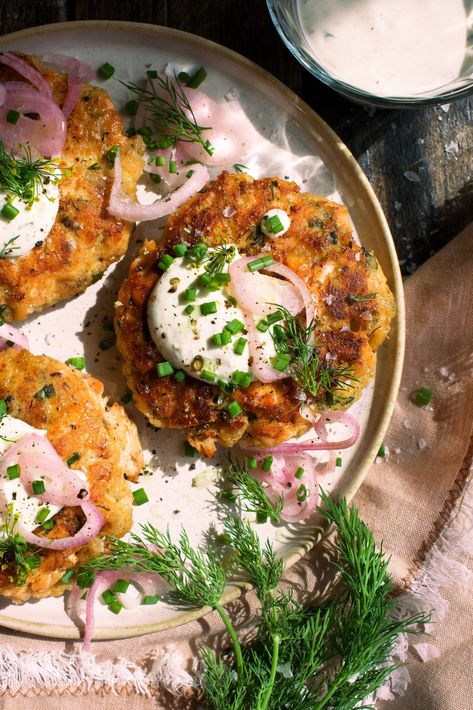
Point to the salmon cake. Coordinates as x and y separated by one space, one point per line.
42 264
43 400
221 355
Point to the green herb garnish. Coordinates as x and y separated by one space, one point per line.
24 178
16 556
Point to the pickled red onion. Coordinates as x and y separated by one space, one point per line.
150 584
47 133
3 94
260 368
291 276
123 207
177 154
13 335
28 72
78 73
257 293
37 458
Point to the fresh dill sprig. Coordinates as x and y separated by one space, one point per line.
6 252
328 656
170 111
216 259
321 378
24 178
252 495
16 555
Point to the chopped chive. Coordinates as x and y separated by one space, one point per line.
263 326
226 386
190 294
234 408
3 408
111 154
106 71
260 263
339 462
155 178
302 493
189 450
172 167
267 463
274 224
222 277
274 317
281 362
196 80
77 362
235 326
180 376
152 74
226 337
208 375
239 346
208 308
48 525
179 249
9 211
159 161
140 497
108 596
188 309
382 451
251 463
165 262
38 487
127 397
261 518
204 280
299 473
67 576
164 143
42 514
190 173
243 379
75 457
164 368
217 339
13 471
115 606
423 396
13 116
198 251
131 107
279 333
145 131
121 585
150 599
85 579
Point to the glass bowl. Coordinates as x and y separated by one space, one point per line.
287 18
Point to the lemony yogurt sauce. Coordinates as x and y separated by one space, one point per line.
387 47
185 339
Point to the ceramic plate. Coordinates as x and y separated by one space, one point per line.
294 142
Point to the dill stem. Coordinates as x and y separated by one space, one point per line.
272 676
235 642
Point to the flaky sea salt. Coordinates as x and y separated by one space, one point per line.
411 176
421 444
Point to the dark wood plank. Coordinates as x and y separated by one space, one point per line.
391 145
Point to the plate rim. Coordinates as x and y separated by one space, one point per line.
379 430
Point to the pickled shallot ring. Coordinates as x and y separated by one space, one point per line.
9 334
123 207
78 72
259 366
28 72
257 293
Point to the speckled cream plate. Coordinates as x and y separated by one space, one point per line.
293 142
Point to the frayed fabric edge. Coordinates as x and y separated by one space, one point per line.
444 568
81 671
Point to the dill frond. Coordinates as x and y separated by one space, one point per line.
24 178
17 557
252 495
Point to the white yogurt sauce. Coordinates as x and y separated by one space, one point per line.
32 224
387 47
24 505
180 338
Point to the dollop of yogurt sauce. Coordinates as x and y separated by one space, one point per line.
32 224
387 47
13 491
185 340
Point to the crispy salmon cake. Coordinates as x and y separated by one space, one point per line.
92 436
85 239
353 301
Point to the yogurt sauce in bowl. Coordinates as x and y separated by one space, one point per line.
392 48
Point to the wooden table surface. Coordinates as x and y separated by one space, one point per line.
432 146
